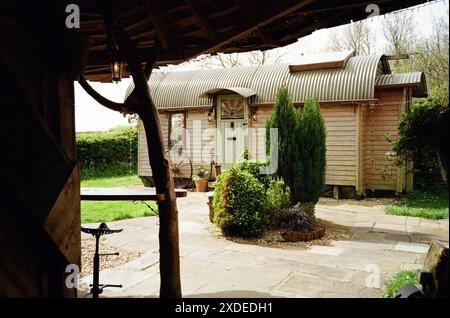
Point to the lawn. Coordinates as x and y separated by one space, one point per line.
399 280
102 211
429 204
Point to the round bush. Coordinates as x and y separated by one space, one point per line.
297 219
239 201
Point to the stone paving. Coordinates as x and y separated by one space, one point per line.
215 267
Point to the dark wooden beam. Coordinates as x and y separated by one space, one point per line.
159 25
249 13
265 18
202 19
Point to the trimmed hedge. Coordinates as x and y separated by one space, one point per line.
239 203
97 149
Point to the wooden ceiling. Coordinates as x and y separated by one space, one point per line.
184 29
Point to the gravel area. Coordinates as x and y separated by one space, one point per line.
272 238
87 256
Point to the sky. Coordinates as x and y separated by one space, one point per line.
91 116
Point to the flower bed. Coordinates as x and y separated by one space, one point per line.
296 236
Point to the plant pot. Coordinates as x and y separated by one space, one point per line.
201 185
295 236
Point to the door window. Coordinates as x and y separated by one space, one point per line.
232 108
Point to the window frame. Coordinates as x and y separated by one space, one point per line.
169 140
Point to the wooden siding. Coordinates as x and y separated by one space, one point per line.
200 141
356 145
382 118
257 134
340 121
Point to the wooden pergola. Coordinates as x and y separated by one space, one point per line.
143 34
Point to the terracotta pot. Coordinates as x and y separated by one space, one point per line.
201 185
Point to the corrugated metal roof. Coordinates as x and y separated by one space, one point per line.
356 81
414 79
244 92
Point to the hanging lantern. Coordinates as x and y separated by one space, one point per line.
254 118
211 115
115 59
116 71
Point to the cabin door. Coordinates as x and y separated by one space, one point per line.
232 129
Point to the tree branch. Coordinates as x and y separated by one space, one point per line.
119 107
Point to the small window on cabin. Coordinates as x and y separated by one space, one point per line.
176 129
232 108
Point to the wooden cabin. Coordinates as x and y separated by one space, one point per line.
43 51
225 110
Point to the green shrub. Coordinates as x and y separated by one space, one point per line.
99 149
297 219
115 169
312 151
253 167
286 119
278 199
423 138
239 203
309 208
301 146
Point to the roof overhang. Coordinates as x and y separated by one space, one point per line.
244 92
415 80
322 61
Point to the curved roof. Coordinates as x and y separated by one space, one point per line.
414 79
355 81
244 92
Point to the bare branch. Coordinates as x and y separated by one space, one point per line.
119 107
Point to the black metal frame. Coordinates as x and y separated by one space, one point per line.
103 229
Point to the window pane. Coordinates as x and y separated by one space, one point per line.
177 125
232 108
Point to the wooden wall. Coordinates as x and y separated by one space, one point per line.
357 151
382 118
200 141
39 183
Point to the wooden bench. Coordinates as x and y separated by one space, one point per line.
125 194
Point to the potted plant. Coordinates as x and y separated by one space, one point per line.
201 179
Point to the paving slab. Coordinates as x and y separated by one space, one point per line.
389 227
411 247
306 285
326 250
217 267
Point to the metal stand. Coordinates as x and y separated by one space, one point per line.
103 229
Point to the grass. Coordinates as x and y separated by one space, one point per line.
429 204
118 181
400 279
102 211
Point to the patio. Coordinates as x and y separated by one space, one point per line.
216 267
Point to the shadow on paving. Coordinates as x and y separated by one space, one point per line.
371 235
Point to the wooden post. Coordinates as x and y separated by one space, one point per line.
140 102
168 214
